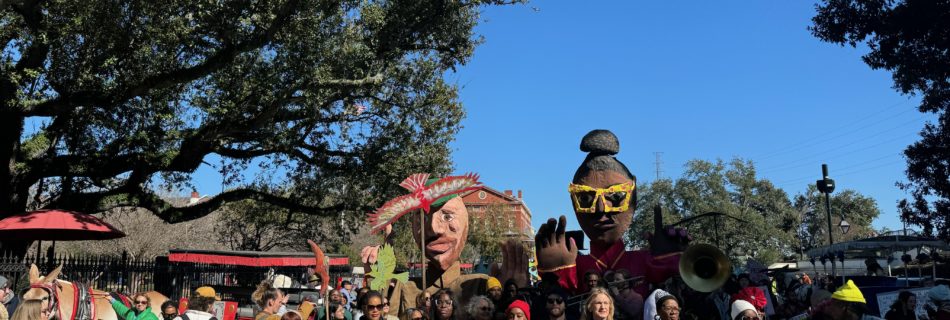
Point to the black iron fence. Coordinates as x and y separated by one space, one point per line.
107 273
125 275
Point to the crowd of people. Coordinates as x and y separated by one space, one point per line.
609 282
548 301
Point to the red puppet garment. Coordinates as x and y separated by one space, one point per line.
638 263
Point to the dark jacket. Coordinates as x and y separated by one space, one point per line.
898 315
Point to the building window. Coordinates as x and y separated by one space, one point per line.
482 195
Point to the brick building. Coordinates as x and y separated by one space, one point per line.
486 200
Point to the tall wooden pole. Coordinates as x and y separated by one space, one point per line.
422 236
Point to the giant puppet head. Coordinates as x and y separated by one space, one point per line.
603 191
444 227
446 230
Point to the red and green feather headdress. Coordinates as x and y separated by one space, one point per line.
425 194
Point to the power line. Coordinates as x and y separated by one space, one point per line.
851 166
852 170
827 156
812 163
658 162
824 136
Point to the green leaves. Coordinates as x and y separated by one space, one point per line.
859 210
144 93
909 40
383 271
760 219
754 209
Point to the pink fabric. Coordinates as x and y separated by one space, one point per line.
638 263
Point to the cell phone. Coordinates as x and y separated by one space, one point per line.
578 237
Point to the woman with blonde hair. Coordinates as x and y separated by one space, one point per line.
599 306
32 309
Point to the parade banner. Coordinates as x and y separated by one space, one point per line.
886 299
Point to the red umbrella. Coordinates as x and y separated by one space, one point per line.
57 225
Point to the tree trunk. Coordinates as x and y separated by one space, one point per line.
13 197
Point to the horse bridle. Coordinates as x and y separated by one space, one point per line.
52 298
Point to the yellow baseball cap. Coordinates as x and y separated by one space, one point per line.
207 292
493 283
849 293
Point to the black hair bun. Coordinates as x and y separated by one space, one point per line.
598 142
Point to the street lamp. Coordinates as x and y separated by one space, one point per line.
845 226
826 185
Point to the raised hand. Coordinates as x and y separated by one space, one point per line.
515 264
666 239
370 254
554 250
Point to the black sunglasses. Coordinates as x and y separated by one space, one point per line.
556 300
375 306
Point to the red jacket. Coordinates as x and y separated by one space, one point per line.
753 295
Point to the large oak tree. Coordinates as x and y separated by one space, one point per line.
105 104
911 39
758 219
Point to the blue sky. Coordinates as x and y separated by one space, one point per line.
691 80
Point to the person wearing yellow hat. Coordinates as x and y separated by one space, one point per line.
847 303
200 304
494 294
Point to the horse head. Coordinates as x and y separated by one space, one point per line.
43 287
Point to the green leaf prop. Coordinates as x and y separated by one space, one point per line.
382 271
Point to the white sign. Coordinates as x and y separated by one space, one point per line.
218 310
886 299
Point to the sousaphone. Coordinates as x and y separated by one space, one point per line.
704 267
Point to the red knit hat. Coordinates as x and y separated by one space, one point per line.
520 305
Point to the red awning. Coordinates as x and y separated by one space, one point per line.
251 259
57 225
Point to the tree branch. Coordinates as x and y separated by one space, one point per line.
219 60
162 208
371 80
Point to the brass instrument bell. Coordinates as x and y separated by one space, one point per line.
704 267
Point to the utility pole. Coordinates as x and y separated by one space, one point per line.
826 185
658 162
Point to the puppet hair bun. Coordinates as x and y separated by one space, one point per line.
600 142
601 146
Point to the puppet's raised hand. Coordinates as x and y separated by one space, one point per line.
515 264
666 239
370 254
553 248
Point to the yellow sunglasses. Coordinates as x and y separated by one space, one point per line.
615 198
